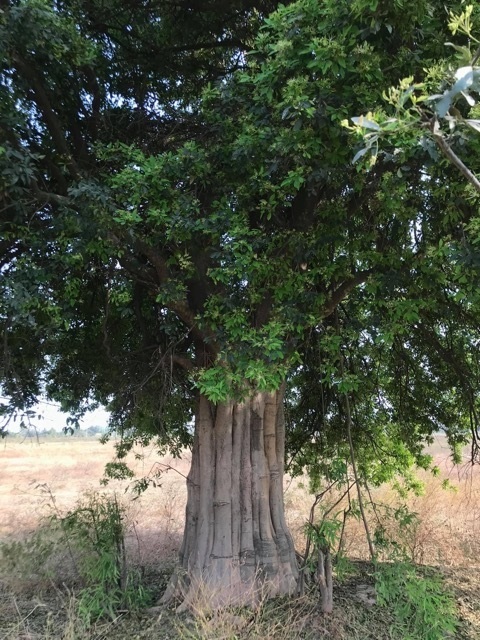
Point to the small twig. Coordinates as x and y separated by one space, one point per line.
357 478
373 503
475 58
168 467
335 504
342 532
110 625
22 619
304 558
352 455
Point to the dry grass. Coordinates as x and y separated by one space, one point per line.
38 477
31 473
447 532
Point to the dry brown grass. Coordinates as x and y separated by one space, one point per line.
31 473
34 474
447 532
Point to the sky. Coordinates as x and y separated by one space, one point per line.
52 417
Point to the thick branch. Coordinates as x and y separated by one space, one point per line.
97 96
343 290
234 43
183 362
45 198
155 259
179 307
52 121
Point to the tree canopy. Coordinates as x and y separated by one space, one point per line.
169 181
185 212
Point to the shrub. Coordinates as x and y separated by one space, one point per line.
422 609
95 529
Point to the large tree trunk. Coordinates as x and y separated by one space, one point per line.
236 546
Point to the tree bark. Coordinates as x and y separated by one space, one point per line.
236 546
325 580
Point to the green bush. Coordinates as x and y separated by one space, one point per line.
96 530
422 609
87 544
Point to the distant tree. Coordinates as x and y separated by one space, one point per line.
184 232
95 431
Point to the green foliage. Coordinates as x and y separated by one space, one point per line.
95 529
92 537
414 596
440 110
422 609
395 532
325 535
344 567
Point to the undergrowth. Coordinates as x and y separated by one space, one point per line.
421 606
411 603
96 528
92 534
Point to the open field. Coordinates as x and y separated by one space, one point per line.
38 479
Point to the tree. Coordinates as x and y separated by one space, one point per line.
183 230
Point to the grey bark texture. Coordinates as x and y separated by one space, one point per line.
236 548
325 580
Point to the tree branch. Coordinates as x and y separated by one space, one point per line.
197 46
52 121
183 362
343 290
45 198
349 424
448 152
179 307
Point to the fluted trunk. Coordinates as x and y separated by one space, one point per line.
236 546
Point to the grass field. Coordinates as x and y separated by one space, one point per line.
39 478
